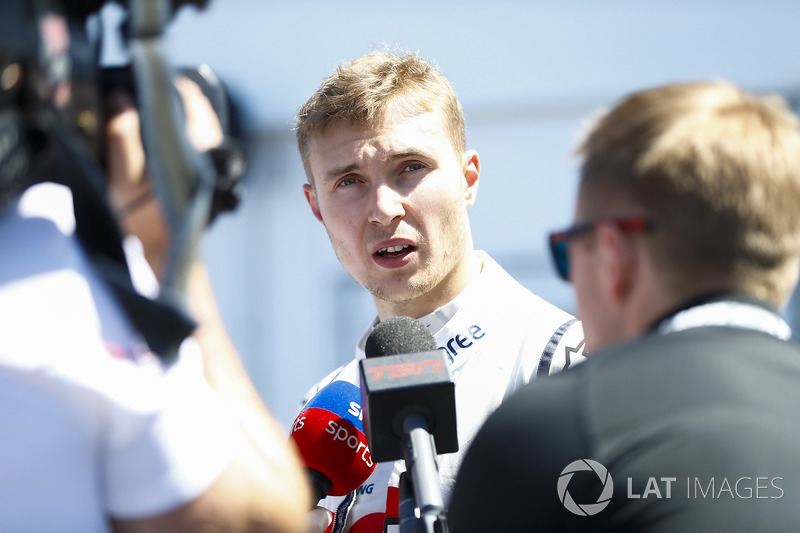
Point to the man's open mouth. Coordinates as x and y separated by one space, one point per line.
395 251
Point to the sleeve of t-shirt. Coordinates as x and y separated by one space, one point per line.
509 478
169 436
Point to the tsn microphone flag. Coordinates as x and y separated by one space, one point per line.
329 433
396 386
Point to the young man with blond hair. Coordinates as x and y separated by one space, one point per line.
389 176
686 244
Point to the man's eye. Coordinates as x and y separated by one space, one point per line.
412 167
346 181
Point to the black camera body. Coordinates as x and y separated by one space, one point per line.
49 74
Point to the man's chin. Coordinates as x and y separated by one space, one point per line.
397 294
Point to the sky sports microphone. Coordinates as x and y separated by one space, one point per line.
329 434
410 411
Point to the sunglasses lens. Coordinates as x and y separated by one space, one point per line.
560 258
563 260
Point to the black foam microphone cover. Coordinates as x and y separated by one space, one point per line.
399 334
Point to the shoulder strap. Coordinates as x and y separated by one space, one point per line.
164 326
340 518
550 349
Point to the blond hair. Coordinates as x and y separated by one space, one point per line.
718 170
363 91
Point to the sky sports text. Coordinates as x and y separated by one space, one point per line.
353 440
340 432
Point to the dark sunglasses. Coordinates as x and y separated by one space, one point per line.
560 239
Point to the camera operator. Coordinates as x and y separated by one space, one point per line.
100 433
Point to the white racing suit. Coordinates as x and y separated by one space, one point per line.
497 336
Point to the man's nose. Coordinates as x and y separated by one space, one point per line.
387 205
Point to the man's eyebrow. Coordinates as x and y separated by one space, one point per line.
408 154
335 172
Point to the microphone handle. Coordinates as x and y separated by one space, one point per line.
419 452
406 504
320 485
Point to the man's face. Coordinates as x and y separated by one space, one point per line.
585 278
594 271
393 199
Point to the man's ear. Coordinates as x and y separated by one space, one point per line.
311 198
472 172
617 261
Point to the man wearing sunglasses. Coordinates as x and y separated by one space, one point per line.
686 243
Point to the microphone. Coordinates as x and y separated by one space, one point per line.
408 395
403 374
396 335
329 435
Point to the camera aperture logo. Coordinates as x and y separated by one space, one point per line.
585 509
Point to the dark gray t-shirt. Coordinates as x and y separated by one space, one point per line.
693 430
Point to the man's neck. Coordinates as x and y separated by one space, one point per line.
664 303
